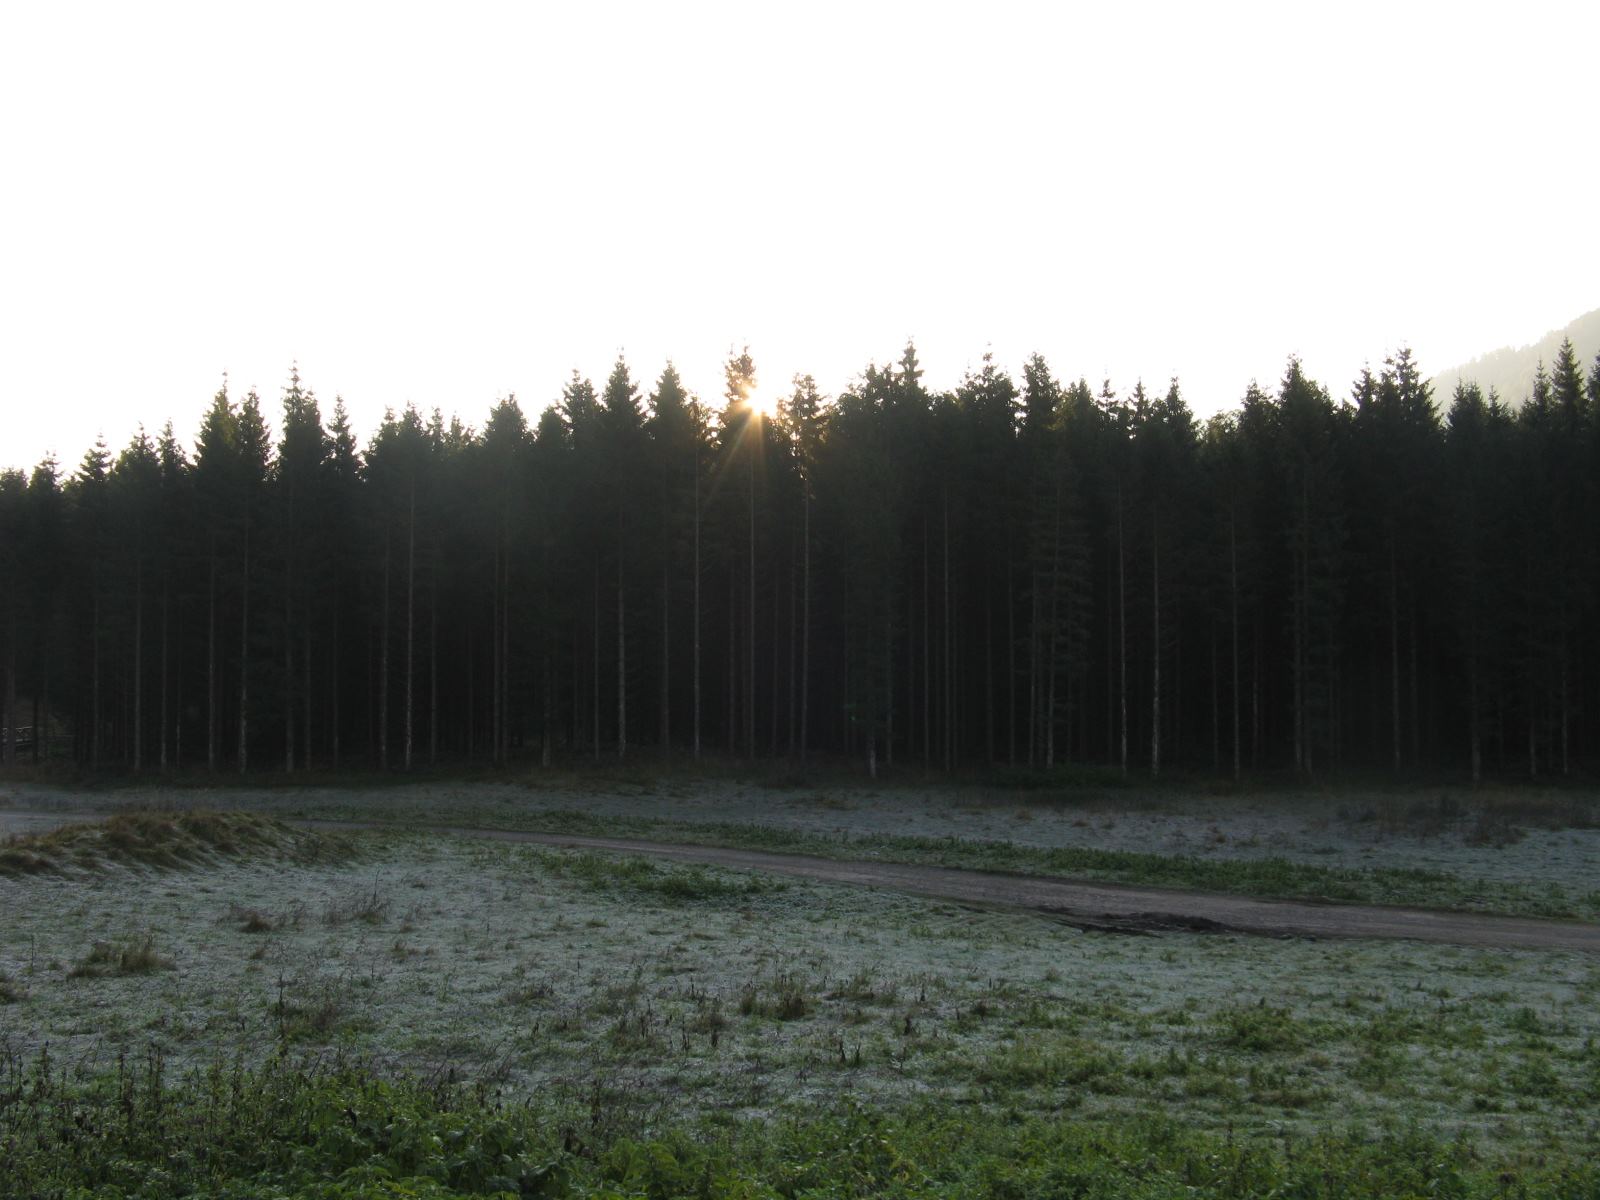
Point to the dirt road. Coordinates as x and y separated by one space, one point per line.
1100 906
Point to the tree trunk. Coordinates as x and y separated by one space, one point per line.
1011 657
1155 681
503 646
1233 588
138 665
494 663
794 649
888 678
622 664
1122 636
411 619
1394 656
161 754
594 700
383 666
1472 699
665 735
212 727
1216 705
244 659
805 620
750 649
696 652
949 673
305 682
988 671
927 656
333 690
776 674
433 659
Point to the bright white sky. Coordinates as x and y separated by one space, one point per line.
442 205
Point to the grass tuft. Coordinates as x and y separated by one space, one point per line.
134 955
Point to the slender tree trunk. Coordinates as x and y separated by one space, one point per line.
750 651
805 620
546 744
1155 681
949 672
1011 657
1566 724
8 702
244 659
594 615
696 652
665 735
794 649
1472 698
1255 699
411 620
494 662
1301 632
622 664
1216 704
1233 588
433 659
161 754
888 678
94 708
288 666
1034 602
927 655
776 675
1122 636
138 666
733 665
333 689
545 748
1394 656
988 671
383 666
503 648
1416 691
305 680
211 662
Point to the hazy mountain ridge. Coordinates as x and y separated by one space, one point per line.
1510 370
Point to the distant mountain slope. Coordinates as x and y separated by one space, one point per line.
1510 369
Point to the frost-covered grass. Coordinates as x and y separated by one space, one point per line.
643 993
1533 851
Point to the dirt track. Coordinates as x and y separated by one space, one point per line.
1101 906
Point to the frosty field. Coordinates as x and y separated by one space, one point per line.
644 994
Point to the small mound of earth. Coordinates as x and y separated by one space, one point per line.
164 841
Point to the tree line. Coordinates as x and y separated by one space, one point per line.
1017 572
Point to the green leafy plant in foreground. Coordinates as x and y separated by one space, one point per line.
333 1129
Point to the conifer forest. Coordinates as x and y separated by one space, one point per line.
1022 573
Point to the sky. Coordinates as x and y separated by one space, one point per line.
443 205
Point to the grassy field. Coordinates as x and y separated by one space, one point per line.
600 1008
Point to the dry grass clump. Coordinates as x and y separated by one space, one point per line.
10 990
135 955
164 841
367 905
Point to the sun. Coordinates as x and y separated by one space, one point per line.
762 404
